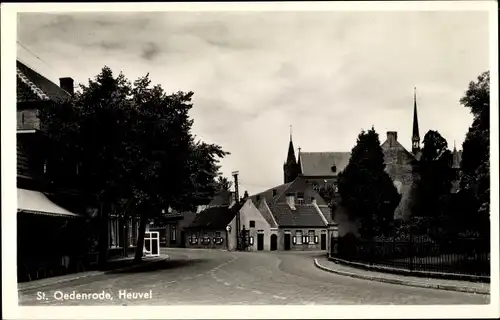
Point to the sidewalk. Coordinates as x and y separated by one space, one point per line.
431 283
113 266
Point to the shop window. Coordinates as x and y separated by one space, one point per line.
114 236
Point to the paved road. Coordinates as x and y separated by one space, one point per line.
217 277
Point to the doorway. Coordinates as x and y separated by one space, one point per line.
260 241
287 241
274 242
323 241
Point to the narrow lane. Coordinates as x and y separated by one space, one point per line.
219 277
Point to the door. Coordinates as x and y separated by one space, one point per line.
183 239
287 241
323 241
260 241
274 242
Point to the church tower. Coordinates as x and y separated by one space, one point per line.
290 167
415 139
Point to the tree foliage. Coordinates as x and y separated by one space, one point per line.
436 177
475 165
223 184
134 145
366 189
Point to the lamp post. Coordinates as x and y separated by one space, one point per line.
228 230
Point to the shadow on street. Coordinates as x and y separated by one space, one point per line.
158 266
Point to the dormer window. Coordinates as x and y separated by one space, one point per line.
300 198
334 168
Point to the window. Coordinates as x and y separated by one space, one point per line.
218 239
114 233
251 241
311 237
316 239
252 224
300 198
315 187
173 233
294 240
298 235
206 239
193 239
130 235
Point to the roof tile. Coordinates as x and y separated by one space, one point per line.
303 216
320 163
41 88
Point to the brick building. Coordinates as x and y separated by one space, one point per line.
322 168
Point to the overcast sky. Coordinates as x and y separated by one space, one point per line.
328 74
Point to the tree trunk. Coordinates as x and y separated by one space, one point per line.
142 231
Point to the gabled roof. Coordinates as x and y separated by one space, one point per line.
187 218
32 86
320 163
266 213
304 216
269 196
395 146
216 218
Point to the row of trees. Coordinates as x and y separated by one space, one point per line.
370 197
134 147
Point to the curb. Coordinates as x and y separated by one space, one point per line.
404 282
91 274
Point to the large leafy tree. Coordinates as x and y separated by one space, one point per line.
436 175
366 190
431 195
134 145
475 165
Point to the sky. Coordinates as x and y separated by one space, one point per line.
254 74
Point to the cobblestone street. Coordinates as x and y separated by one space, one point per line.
217 277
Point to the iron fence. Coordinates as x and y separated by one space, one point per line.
467 256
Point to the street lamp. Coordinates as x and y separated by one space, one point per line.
228 230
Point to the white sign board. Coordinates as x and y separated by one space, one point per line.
152 244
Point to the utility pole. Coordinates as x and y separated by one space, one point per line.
237 196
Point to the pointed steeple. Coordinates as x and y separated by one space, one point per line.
291 151
415 139
290 166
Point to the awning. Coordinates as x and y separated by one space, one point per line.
37 203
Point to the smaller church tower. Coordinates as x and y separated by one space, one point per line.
290 167
415 139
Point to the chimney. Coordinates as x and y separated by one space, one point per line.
392 137
67 84
275 192
290 200
313 201
258 198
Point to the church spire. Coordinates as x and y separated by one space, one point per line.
290 166
291 151
415 139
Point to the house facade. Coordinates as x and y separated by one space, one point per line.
52 187
299 219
